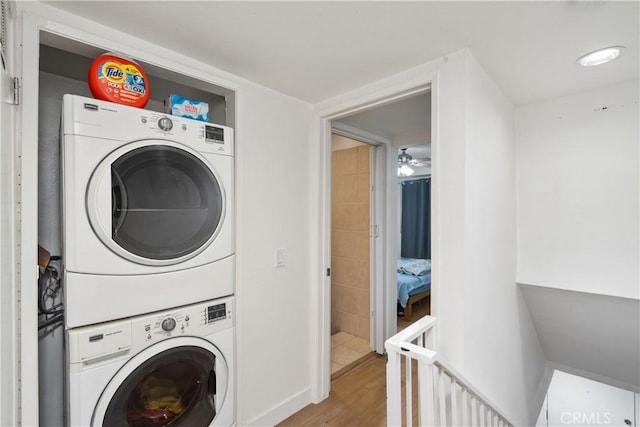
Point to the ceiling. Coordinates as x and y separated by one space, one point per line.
392 121
407 123
316 50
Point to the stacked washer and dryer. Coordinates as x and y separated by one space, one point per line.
148 226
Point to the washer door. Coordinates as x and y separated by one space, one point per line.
178 382
155 202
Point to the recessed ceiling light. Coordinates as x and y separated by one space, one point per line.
600 56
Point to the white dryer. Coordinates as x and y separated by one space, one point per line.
167 368
148 210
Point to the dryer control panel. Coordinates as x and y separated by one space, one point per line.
95 118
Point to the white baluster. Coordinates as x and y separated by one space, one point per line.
455 408
409 390
474 411
465 407
442 398
426 395
482 416
394 393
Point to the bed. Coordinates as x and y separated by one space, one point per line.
414 283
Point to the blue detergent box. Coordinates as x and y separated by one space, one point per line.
184 107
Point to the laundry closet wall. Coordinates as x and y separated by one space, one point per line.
271 128
50 344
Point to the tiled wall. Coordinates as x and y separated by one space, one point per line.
350 287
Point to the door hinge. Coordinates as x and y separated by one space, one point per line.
328 272
374 231
16 91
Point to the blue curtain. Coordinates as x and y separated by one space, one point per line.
416 223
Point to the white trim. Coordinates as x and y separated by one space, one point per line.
27 147
283 410
91 33
381 147
394 88
9 346
348 131
378 244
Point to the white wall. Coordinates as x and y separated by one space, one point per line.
577 163
274 322
502 354
485 330
273 211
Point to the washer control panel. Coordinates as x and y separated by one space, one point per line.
200 319
100 343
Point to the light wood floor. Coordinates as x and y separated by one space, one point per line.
357 398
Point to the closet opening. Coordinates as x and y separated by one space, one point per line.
60 66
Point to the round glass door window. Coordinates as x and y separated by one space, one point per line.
166 202
174 388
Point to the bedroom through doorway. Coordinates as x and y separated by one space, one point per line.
414 262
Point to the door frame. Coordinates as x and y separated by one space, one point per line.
398 87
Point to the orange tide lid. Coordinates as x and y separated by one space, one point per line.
117 79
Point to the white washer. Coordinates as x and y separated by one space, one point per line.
148 211
168 368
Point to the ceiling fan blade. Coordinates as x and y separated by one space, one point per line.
421 161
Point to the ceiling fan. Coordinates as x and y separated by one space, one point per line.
405 161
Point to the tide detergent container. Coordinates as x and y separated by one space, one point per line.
118 79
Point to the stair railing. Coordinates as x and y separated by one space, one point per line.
442 396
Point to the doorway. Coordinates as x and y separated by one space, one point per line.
401 123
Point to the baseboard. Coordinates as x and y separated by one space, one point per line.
282 411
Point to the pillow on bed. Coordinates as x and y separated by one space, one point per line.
416 267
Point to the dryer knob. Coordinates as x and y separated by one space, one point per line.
169 324
165 124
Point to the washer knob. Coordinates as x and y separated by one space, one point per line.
169 324
165 124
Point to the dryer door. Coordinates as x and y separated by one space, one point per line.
179 382
156 202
